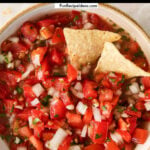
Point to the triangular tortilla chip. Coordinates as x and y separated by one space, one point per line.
112 60
85 46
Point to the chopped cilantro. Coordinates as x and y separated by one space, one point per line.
12 109
126 49
123 148
119 30
36 120
89 97
125 38
107 140
97 136
56 116
19 90
113 80
139 53
45 100
57 74
53 80
133 109
58 35
31 27
76 18
104 108
119 109
122 80
114 24
8 137
2 115
6 59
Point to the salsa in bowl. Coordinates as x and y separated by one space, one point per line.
73 80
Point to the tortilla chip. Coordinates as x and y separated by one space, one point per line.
112 60
85 46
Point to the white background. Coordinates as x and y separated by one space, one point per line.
138 11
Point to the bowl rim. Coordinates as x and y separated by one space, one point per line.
10 21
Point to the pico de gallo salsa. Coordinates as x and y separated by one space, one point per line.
47 104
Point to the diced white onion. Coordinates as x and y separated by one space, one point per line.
30 120
134 88
10 65
124 115
19 107
84 131
111 74
21 148
86 69
147 106
81 108
11 118
57 139
36 60
79 75
142 88
96 114
35 102
95 103
70 107
76 93
10 56
17 63
14 39
30 68
88 25
116 137
37 89
56 94
84 17
2 59
78 86
141 94
51 91
118 92
75 147
17 140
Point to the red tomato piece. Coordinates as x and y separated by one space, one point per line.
46 22
133 46
111 145
66 143
125 135
89 89
57 109
2 128
140 105
43 71
9 105
99 131
38 128
106 109
88 116
94 147
37 55
146 116
146 82
28 91
106 95
4 90
58 36
74 120
25 131
47 135
56 57
122 125
36 143
24 114
133 113
71 73
133 124
29 31
140 136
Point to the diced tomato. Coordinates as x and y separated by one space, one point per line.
47 32
88 116
133 46
28 91
105 83
46 22
58 36
99 131
47 135
65 144
66 98
24 114
133 113
106 109
2 128
94 19
29 31
74 120
57 109
56 57
106 95
115 101
140 136
122 125
71 73
142 63
37 55
25 131
133 124
94 147
99 77
36 143
38 128
89 89
10 77
55 124
129 146
140 105
146 116
4 90
147 95
43 71
111 145
9 105
146 82
125 135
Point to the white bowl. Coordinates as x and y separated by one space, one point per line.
104 10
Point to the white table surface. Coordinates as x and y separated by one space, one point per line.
138 11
